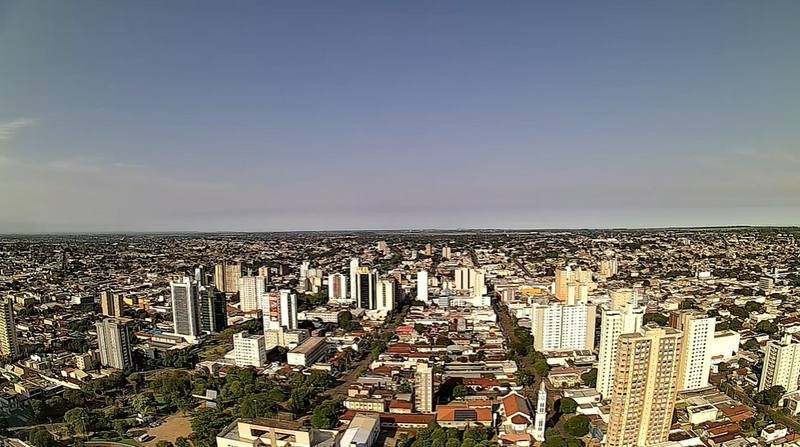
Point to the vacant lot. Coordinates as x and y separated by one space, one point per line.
173 427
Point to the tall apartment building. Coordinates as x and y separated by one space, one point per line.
265 272
446 252
213 310
385 294
271 311
8 330
781 364
251 291
422 286
698 339
623 297
114 342
470 279
249 350
423 388
614 323
365 288
185 312
337 287
226 277
608 268
572 286
645 387
111 303
288 308
561 327
353 279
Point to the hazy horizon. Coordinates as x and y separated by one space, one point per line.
202 116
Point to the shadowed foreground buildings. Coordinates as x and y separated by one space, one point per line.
645 387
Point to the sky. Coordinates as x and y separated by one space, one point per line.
271 116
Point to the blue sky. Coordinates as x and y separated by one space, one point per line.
179 115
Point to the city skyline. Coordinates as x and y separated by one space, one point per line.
200 116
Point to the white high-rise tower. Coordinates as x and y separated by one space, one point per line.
422 286
353 272
613 323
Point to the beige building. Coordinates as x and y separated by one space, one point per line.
613 323
8 330
423 388
249 350
111 303
226 277
645 387
696 348
572 286
252 289
114 343
268 433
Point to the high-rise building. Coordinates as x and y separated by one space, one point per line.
114 342
423 388
249 350
265 272
8 330
540 421
185 312
251 291
271 311
213 310
384 294
337 287
614 323
111 303
561 327
353 279
365 288
288 306
608 268
572 286
446 252
645 387
620 298
428 250
422 286
226 277
470 279
696 347
781 364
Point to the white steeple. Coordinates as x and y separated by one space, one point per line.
541 414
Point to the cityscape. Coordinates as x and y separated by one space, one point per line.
673 337
399 223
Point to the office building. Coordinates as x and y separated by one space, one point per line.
572 286
271 310
185 312
423 388
311 350
781 364
114 342
385 294
9 346
337 287
645 387
111 303
614 323
251 291
422 286
365 288
249 350
561 327
696 348
213 310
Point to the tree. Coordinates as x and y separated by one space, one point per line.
460 391
205 426
577 426
325 415
567 405
135 380
78 420
75 398
258 406
345 320
163 443
752 306
39 409
182 442
770 396
144 403
659 319
541 367
40 437
768 327
589 378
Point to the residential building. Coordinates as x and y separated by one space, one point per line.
696 349
213 310
114 341
185 312
364 288
249 350
781 364
422 286
288 308
572 286
384 294
9 346
470 279
613 323
337 287
226 277
561 327
251 291
353 281
423 388
111 303
645 387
